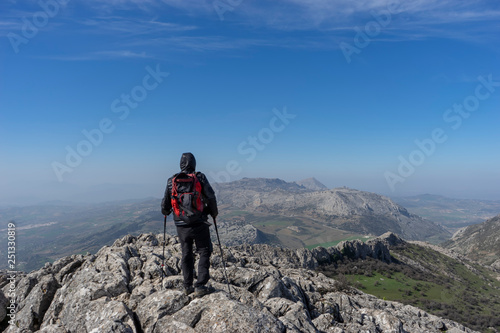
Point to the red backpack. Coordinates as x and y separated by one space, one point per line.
187 201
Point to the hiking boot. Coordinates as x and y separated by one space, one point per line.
202 291
188 290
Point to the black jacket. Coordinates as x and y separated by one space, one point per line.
188 165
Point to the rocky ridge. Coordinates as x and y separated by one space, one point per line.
344 208
272 290
480 242
240 232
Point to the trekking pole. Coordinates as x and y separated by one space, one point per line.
163 255
222 256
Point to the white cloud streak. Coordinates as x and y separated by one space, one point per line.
100 55
280 23
414 19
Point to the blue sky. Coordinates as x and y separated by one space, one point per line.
392 97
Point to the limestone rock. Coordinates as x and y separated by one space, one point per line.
4 303
272 290
479 242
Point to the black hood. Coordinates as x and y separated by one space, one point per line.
188 163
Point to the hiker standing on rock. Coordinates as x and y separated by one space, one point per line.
191 198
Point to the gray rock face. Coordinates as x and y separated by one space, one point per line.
344 208
4 302
480 242
240 233
495 265
272 290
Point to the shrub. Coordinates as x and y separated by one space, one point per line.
341 283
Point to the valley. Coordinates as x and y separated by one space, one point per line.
449 212
291 232
456 285
269 211
454 288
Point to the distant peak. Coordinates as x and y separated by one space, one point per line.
261 185
312 184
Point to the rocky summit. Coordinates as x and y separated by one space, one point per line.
270 289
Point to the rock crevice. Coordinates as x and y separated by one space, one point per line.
272 290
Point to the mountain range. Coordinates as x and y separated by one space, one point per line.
343 208
252 211
76 287
272 211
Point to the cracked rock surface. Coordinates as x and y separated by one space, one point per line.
120 289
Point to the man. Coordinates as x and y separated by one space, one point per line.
194 228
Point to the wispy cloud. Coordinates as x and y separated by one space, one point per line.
225 43
117 24
100 55
180 44
191 6
148 26
11 20
200 43
8 25
332 14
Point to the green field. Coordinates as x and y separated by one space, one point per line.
434 282
292 232
234 213
398 287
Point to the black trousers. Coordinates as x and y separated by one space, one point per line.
200 235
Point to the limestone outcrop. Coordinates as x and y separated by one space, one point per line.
272 289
